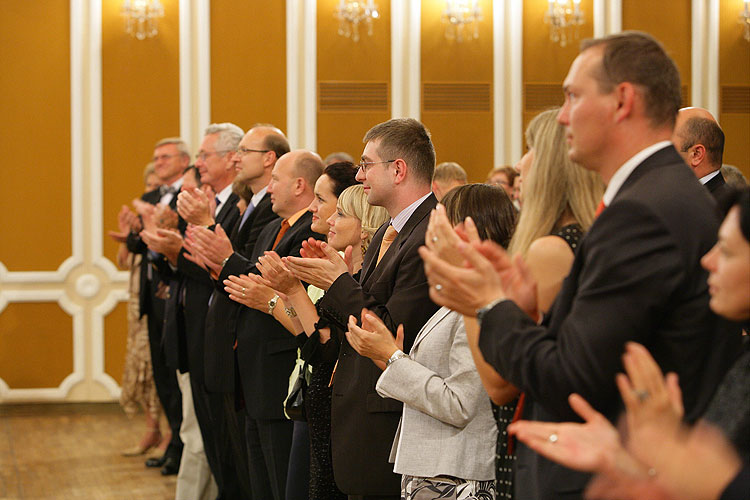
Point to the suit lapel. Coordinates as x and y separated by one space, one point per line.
226 209
430 325
371 256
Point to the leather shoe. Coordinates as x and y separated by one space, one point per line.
171 467
156 461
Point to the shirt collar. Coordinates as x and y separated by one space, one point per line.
399 221
709 176
255 200
622 174
223 196
294 218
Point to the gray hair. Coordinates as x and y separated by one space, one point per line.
450 171
181 145
229 135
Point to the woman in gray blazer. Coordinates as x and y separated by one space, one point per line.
445 443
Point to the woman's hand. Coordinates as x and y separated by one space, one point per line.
276 275
373 339
321 272
249 291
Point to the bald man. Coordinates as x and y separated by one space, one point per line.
700 140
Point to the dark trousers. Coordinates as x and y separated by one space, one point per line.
269 443
298 474
228 456
165 378
374 497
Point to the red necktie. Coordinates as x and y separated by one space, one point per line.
282 230
600 208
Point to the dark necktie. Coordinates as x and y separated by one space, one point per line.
163 190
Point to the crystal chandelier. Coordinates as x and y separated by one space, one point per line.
745 20
460 16
564 18
351 13
142 17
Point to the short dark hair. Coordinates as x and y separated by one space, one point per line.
488 206
740 198
408 139
342 175
640 59
704 131
276 143
195 172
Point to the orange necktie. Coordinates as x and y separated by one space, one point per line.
388 237
600 208
284 227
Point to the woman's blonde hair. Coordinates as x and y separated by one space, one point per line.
555 186
353 203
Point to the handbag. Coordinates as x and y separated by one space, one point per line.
294 405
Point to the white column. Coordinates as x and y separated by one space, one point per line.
704 91
195 69
607 17
405 58
301 74
507 27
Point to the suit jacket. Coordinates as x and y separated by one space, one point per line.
187 305
266 351
221 318
636 277
397 291
717 186
447 427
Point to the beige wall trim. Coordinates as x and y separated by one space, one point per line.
73 309
97 341
405 58
195 70
705 55
607 17
301 74
507 26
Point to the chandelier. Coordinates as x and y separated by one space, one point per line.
142 17
351 13
745 20
460 16
564 18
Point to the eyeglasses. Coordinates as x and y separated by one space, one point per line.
205 154
364 165
163 157
243 151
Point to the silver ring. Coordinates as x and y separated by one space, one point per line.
243 290
438 287
243 295
434 239
641 394
552 438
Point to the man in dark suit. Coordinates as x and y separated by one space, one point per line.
171 158
254 160
636 275
700 140
396 170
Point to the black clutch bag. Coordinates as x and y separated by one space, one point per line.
294 406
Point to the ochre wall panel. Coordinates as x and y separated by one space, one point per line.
734 69
115 341
670 23
248 62
35 138
342 59
140 105
544 61
36 345
465 137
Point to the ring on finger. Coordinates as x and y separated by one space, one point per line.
553 438
641 394
438 287
434 239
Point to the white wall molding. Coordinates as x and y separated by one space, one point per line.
704 88
607 17
97 341
507 28
406 58
301 74
195 69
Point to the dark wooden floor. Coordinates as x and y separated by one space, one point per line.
72 451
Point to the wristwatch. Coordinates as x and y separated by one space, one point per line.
484 310
396 355
272 304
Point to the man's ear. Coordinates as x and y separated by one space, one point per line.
299 186
400 169
626 96
696 154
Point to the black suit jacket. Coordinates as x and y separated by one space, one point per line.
636 277
221 319
717 186
363 424
266 351
187 304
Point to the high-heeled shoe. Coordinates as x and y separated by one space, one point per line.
152 439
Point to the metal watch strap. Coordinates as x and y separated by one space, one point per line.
272 304
396 355
484 310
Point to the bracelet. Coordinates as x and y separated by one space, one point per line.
224 262
290 312
396 355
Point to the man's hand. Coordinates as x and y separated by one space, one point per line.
276 275
125 221
321 272
248 290
165 217
373 340
195 207
167 242
146 211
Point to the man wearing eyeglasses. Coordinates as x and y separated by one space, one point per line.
170 159
396 171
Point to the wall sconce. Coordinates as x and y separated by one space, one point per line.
745 20
460 15
351 13
564 20
142 17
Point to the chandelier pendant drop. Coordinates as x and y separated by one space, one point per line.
142 17
460 17
565 19
352 13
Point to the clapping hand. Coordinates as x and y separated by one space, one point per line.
319 271
276 275
127 221
248 290
196 207
167 242
373 339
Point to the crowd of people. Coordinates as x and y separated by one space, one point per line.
329 330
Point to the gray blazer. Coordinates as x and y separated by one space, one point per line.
447 427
